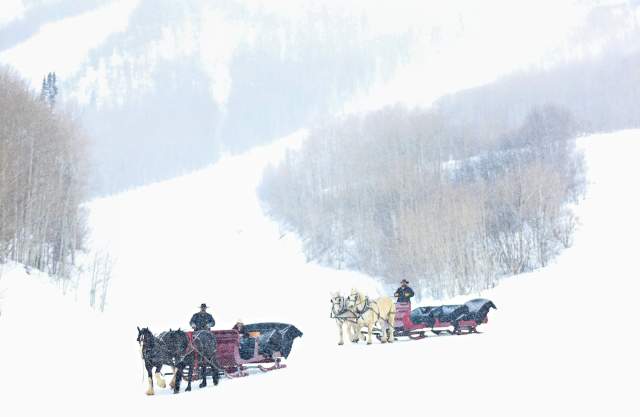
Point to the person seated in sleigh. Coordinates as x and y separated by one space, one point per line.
240 328
247 342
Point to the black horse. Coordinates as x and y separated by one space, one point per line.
202 350
154 354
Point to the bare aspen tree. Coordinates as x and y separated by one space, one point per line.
382 193
42 174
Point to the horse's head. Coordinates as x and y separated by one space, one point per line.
356 300
176 341
145 337
338 304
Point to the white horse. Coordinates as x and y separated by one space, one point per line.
343 317
381 311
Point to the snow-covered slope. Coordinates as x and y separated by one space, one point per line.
166 86
561 342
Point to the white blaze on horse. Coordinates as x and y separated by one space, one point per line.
343 317
381 311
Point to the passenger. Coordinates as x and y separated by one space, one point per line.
202 320
404 293
240 328
247 343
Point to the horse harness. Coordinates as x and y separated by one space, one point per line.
367 306
193 348
339 315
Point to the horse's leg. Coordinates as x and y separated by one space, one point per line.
178 378
351 333
149 367
159 379
189 378
359 333
370 328
204 374
391 326
172 383
215 376
340 324
383 331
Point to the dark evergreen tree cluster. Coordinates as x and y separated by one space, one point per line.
49 89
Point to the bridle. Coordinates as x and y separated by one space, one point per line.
147 344
343 314
340 302
355 299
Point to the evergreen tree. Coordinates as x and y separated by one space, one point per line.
45 89
49 89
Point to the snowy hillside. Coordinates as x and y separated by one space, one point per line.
560 342
165 87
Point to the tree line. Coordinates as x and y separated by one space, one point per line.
42 178
390 193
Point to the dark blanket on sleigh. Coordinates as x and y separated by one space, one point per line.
444 314
478 309
471 310
272 337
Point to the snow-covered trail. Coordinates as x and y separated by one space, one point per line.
560 343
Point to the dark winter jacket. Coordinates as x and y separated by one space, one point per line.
202 321
404 294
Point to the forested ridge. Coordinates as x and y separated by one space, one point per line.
383 193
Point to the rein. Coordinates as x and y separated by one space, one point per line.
366 307
210 362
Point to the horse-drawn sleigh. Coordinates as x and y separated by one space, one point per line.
215 353
357 311
450 319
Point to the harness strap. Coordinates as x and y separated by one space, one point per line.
204 357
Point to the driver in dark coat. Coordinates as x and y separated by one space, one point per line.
404 293
202 320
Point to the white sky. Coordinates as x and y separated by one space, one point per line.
10 10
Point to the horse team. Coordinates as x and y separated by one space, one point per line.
357 311
387 320
179 350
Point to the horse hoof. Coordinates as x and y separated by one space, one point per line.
150 392
368 343
340 343
383 341
202 385
188 389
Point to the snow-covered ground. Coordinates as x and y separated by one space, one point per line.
562 341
